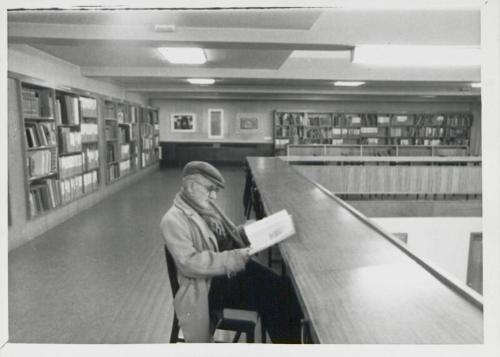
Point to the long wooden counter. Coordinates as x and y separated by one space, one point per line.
356 285
427 160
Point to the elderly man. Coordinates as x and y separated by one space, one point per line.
214 267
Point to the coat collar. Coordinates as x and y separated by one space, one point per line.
196 218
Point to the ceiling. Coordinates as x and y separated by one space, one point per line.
255 53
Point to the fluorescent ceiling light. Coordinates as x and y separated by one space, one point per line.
348 84
321 54
183 55
402 55
475 85
201 80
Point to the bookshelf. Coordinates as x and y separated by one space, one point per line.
150 138
90 143
373 133
41 148
72 140
111 137
61 146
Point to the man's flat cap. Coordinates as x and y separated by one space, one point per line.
206 170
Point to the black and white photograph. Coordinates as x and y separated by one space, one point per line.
183 122
248 123
191 178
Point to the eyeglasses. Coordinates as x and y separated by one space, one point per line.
210 189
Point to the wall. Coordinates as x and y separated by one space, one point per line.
33 63
265 110
443 241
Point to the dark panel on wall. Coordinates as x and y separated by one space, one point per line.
176 154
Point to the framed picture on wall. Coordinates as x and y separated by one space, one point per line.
215 123
248 123
183 122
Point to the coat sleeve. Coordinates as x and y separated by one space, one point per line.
177 234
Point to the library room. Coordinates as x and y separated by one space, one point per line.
254 176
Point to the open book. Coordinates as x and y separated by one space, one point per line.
269 231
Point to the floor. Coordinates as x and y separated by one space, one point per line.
101 277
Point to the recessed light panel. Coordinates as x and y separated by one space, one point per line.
183 55
201 80
348 84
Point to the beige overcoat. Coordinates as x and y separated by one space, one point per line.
195 251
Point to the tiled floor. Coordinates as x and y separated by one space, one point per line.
100 277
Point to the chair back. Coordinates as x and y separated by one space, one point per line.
174 285
172 271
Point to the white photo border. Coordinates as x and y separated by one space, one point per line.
210 135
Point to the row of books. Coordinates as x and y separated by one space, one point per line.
113 173
71 188
120 115
146 158
110 132
109 111
124 134
89 107
373 120
40 134
43 197
90 132
124 151
124 167
68 111
111 152
70 165
37 102
42 162
69 140
90 181
147 130
91 158
147 144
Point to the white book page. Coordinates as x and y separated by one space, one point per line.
269 231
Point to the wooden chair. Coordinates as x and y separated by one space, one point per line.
237 324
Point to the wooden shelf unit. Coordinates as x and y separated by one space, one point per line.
404 134
52 125
150 138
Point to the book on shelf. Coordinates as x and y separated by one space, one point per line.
90 181
68 110
353 120
113 172
43 197
133 118
124 134
91 158
71 188
369 130
383 119
109 111
70 140
89 131
268 231
111 152
41 162
124 151
124 167
70 165
40 134
37 102
89 107
120 115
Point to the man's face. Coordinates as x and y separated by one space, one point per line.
203 191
